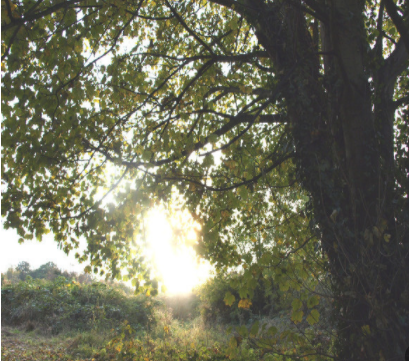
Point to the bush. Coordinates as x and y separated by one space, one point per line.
266 300
58 305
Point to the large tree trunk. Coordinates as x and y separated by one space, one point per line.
345 161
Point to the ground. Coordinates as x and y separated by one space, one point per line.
21 345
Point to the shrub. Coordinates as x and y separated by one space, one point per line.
266 300
57 305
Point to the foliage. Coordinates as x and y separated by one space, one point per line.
54 306
286 319
172 329
176 343
48 271
266 300
280 125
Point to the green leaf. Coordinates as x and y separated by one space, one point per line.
296 304
297 316
146 155
313 317
284 286
243 192
242 331
254 329
313 301
272 330
229 298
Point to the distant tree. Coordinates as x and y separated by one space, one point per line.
12 275
47 271
70 275
85 278
24 270
23 267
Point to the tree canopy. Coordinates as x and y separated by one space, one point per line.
281 125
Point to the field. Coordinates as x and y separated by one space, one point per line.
66 320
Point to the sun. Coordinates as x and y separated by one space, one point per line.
170 245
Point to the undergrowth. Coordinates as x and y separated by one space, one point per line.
55 306
65 320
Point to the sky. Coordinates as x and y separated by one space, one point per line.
179 268
34 252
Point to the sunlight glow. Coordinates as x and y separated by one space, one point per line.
171 249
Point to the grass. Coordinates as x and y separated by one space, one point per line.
29 346
165 338
172 340
59 320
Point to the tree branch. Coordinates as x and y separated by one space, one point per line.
30 17
379 40
188 29
395 64
263 172
402 101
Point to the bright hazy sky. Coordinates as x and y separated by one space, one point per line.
34 252
179 269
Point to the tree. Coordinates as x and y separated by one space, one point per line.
47 271
11 276
247 108
23 268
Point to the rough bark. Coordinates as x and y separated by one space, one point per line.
344 148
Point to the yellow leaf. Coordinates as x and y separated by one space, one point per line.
245 303
386 237
233 342
366 330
